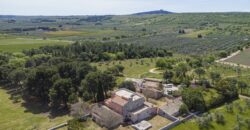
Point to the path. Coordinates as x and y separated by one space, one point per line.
237 76
228 57
154 71
244 97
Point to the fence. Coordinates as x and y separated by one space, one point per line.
65 124
178 121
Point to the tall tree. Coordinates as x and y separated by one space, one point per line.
242 85
17 77
228 88
168 75
39 82
199 72
193 98
215 77
62 92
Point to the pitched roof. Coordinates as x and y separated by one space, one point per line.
119 100
103 111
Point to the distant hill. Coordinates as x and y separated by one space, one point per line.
154 12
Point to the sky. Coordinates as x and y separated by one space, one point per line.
117 7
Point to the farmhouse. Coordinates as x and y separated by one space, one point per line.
131 105
152 88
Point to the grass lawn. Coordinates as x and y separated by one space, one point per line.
230 118
12 44
242 58
158 122
14 116
134 68
66 33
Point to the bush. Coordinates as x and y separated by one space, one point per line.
247 121
183 109
229 108
219 117
75 124
203 122
128 85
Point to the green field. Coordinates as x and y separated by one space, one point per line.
230 119
15 116
242 58
221 31
13 44
194 34
134 68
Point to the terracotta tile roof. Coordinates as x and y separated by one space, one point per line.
119 100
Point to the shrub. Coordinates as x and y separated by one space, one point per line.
128 85
183 109
75 124
219 117
229 108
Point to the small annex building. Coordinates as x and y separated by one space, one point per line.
152 88
106 117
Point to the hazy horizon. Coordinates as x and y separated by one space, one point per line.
117 7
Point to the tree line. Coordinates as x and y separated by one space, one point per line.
89 51
60 75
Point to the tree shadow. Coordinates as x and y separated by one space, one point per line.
58 112
33 105
36 107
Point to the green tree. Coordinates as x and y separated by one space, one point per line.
183 109
219 117
242 85
62 92
128 85
17 77
215 77
199 72
168 75
98 84
75 124
181 69
107 81
193 98
228 88
39 81
161 63
247 121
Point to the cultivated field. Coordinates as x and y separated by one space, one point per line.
242 58
14 44
220 31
